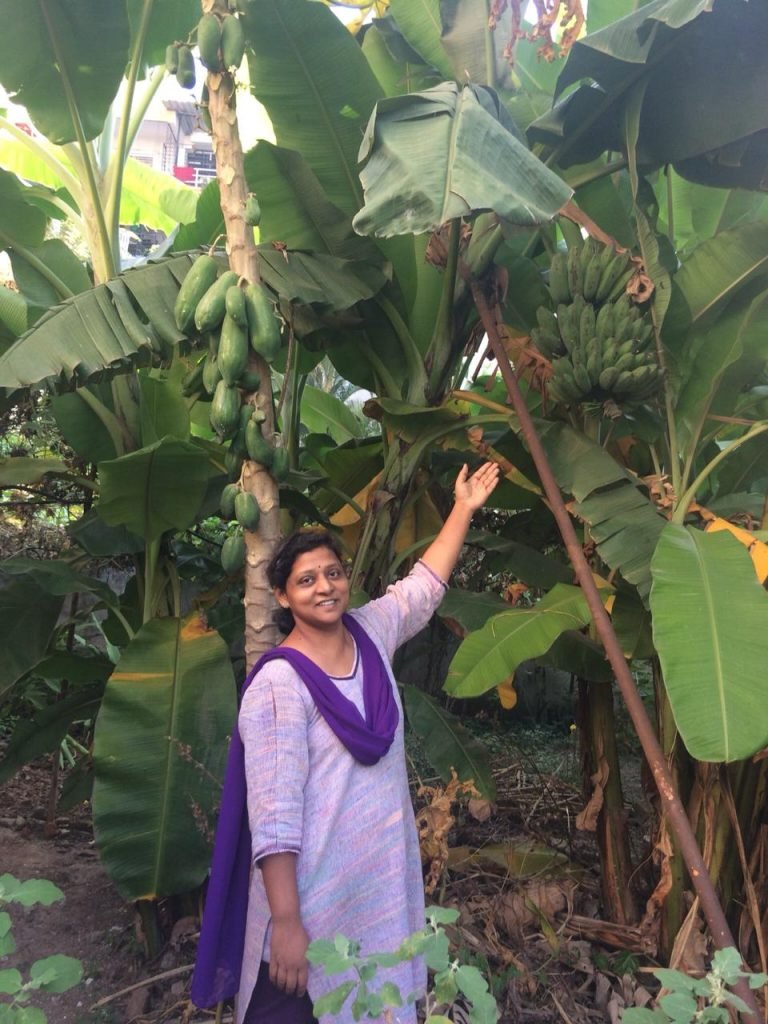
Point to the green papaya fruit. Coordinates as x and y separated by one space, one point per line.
185 68
250 381
232 42
204 108
233 350
227 503
211 373
225 409
213 305
280 464
233 554
247 511
209 42
233 463
259 449
192 381
263 327
235 305
199 279
252 211
171 59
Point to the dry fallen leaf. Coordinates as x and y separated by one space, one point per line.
479 809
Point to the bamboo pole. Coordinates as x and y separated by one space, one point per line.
670 801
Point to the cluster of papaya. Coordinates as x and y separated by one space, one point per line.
221 42
235 317
599 342
243 508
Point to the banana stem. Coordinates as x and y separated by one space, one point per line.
689 496
68 180
117 163
109 253
63 291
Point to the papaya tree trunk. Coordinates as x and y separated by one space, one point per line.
260 631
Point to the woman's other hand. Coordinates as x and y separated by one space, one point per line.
288 966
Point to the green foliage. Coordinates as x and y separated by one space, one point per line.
52 974
447 153
692 1000
713 645
490 655
153 799
450 978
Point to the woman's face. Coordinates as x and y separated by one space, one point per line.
317 590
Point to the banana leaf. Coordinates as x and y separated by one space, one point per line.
710 628
421 26
159 751
445 153
312 77
322 413
396 72
56 51
117 325
710 351
28 616
490 655
296 210
160 487
701 111
18 469
169 20
447 743
43 731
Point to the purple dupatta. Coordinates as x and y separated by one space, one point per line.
222 934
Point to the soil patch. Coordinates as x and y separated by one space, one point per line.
92 923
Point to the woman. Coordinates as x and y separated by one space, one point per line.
330 823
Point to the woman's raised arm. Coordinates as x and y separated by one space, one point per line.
471 493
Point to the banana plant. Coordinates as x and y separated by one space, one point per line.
701 239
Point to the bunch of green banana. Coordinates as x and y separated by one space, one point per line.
597 272
600 344
610 354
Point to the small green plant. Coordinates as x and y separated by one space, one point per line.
450 978
52 974
698 1000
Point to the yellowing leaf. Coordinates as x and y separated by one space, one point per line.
507 693
758 551
347 515
421 522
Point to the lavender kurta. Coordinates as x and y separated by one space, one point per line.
358 867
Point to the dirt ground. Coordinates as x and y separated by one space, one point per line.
92 924
529 919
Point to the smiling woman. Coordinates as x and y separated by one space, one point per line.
316 835
306 573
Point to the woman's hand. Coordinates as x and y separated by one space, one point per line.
473 491
288 966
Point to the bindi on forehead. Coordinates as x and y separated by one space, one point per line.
315 564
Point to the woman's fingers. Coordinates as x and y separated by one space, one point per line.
301 981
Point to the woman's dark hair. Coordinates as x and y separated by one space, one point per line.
279 569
